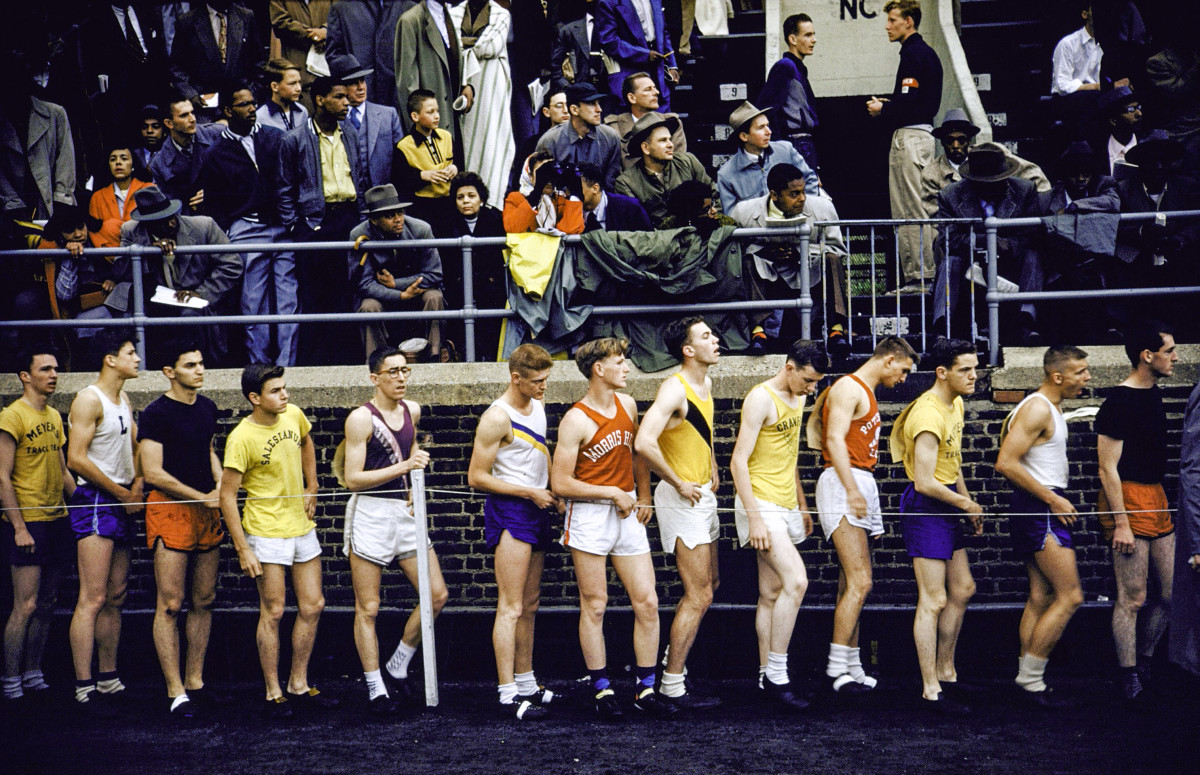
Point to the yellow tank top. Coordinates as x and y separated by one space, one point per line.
687 447
773 461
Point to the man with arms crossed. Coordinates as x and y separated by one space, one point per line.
101 451
847 496
676 441
608 488
1133 506
511 462
179 463
271 454
771 510
36 536
1033 456
381 448
927 438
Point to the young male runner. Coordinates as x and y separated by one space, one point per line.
1033 456
771 510
179 464
848 424
101 451
511 462
927 438
676 441
1133 505
381 448
608 488
35 533
271 455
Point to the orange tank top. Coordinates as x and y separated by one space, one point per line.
862 440
607 459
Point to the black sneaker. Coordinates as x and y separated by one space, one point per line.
542 696
313 698
278 708
382 706
607 707
945 706
208 697
1131 687
651 703
527 710
692 701
184 711
846 685
783 696
1043 700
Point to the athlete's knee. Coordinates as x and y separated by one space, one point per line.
933 601
23 610
593 606
1132 600
795 587
645 604
271 611
367 609
115 598
1070 598
701 597
440 596
716 583
170 603
859 584
510 611
312 608
963 591
203 600
91 602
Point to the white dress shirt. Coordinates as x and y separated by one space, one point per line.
645 16
119 12
1116 151
1076 62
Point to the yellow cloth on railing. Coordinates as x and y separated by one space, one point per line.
530 258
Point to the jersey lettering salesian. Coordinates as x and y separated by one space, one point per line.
607 458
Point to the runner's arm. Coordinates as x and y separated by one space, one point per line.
754 415
975 517
571 434
670 402
85 413
843 400
1029 424
494 428
231 482
1109 450
358 431
925 454
308 464
68 480
157 477
641 468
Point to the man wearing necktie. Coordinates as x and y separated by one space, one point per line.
214 42
374 129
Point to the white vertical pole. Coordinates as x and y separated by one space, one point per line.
428 648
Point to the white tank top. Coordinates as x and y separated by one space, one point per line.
526 461
1047 462
112 447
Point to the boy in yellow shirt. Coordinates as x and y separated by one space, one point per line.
428 156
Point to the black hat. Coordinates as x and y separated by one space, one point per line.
347 69
955 121
1078 154
1157 145
988 165
582 92
1114 101
154 205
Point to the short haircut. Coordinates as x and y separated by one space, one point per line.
627 84
1057 357
946 351
256 375
896 347
591 353
804 352
779 176
322 85
1142 336
170 353
381 354
111 340
539 157
68 218
277 68
417 99
468 178
26 355
232 87
791 25
550 95
591 172
168 105
678 333
910 9
529 359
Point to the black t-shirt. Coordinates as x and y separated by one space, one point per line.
185 432
1136 417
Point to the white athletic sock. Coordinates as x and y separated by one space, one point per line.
1033 669
82 692
34 681
12 687
762 675
508 693
110 686
777 671
672 685
375 684
839 660
526 683
176 702
854 665
398 664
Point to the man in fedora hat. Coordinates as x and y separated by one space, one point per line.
206 277
744 175
660 166
1121 113
393 279
989 188
372 128
583 138
642 98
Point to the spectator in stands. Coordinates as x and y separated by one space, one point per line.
1123 38
693 204
989 188
1121 112
744 175
241 181
374 129
910 111
554 112
634 35
788 91
394 279
584 138
112 202
641 97
604 211
37 168
777 264
300 26
553 203
529 58
1174 78
1076 61
209 277
176 166
1079 189
660 166
433 62
367 29
81 282
283 110
151 133
475 217
573 59
214 42
425 161
487 130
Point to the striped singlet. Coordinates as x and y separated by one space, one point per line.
385 447
526 461
772 464
862 440
607 458
687 447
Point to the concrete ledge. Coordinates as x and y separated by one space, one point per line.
1108 364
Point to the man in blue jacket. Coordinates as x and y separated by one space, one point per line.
788 91
634 35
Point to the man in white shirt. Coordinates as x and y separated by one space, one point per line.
1076 60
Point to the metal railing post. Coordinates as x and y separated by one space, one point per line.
993 299
806 302
139 302
468 296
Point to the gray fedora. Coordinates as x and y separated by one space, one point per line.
154 205
955 121
744 114
348 69
988 165
383 199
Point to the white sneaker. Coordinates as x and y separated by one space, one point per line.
1003 285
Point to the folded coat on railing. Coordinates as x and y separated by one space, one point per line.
1090 232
